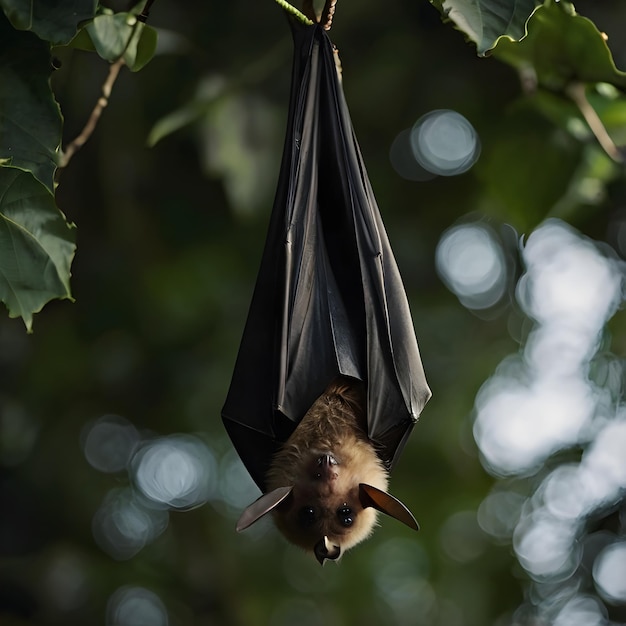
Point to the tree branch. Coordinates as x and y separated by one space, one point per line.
576 91
78 142
90 126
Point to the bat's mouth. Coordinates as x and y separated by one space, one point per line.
325 550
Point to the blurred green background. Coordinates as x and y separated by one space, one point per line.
169 238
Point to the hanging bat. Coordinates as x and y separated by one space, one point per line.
328 382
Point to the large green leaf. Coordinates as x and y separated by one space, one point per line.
562 47
114 35
30 119
55 21
486 21
36 245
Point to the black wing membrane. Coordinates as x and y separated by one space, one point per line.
328 299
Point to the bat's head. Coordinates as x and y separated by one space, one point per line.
329 508
325 513
326 484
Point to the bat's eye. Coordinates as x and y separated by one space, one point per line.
306 516
345 516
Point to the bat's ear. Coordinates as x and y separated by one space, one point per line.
386 503
260 507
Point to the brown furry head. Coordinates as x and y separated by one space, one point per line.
326 483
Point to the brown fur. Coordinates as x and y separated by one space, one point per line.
335 425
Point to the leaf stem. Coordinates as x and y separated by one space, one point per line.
301 17
576 91
90 126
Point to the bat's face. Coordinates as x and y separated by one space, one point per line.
325 512
326 483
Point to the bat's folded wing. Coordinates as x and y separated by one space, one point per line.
328 299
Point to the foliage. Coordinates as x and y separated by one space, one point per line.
30 137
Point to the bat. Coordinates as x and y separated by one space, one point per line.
328 382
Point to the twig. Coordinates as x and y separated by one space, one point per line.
143 16
78 142
90 126
576 91
301 17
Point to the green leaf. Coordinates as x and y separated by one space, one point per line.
82 41
240 146
110 34
36 245
30 119
487 21
209 91
562 47
121 34
145 42
56 22
173 122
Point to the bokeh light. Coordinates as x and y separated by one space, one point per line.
440 143
65 580
178 471
568 280
471 262
582 610
173 472
109 442
462 539
124 523
609 572
236 488
546 546
499 513
445 143
543 400
559 394
605 461
403 159
400 569
520 422
136 606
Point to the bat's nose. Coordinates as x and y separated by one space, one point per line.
325 549
326 467
326 460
